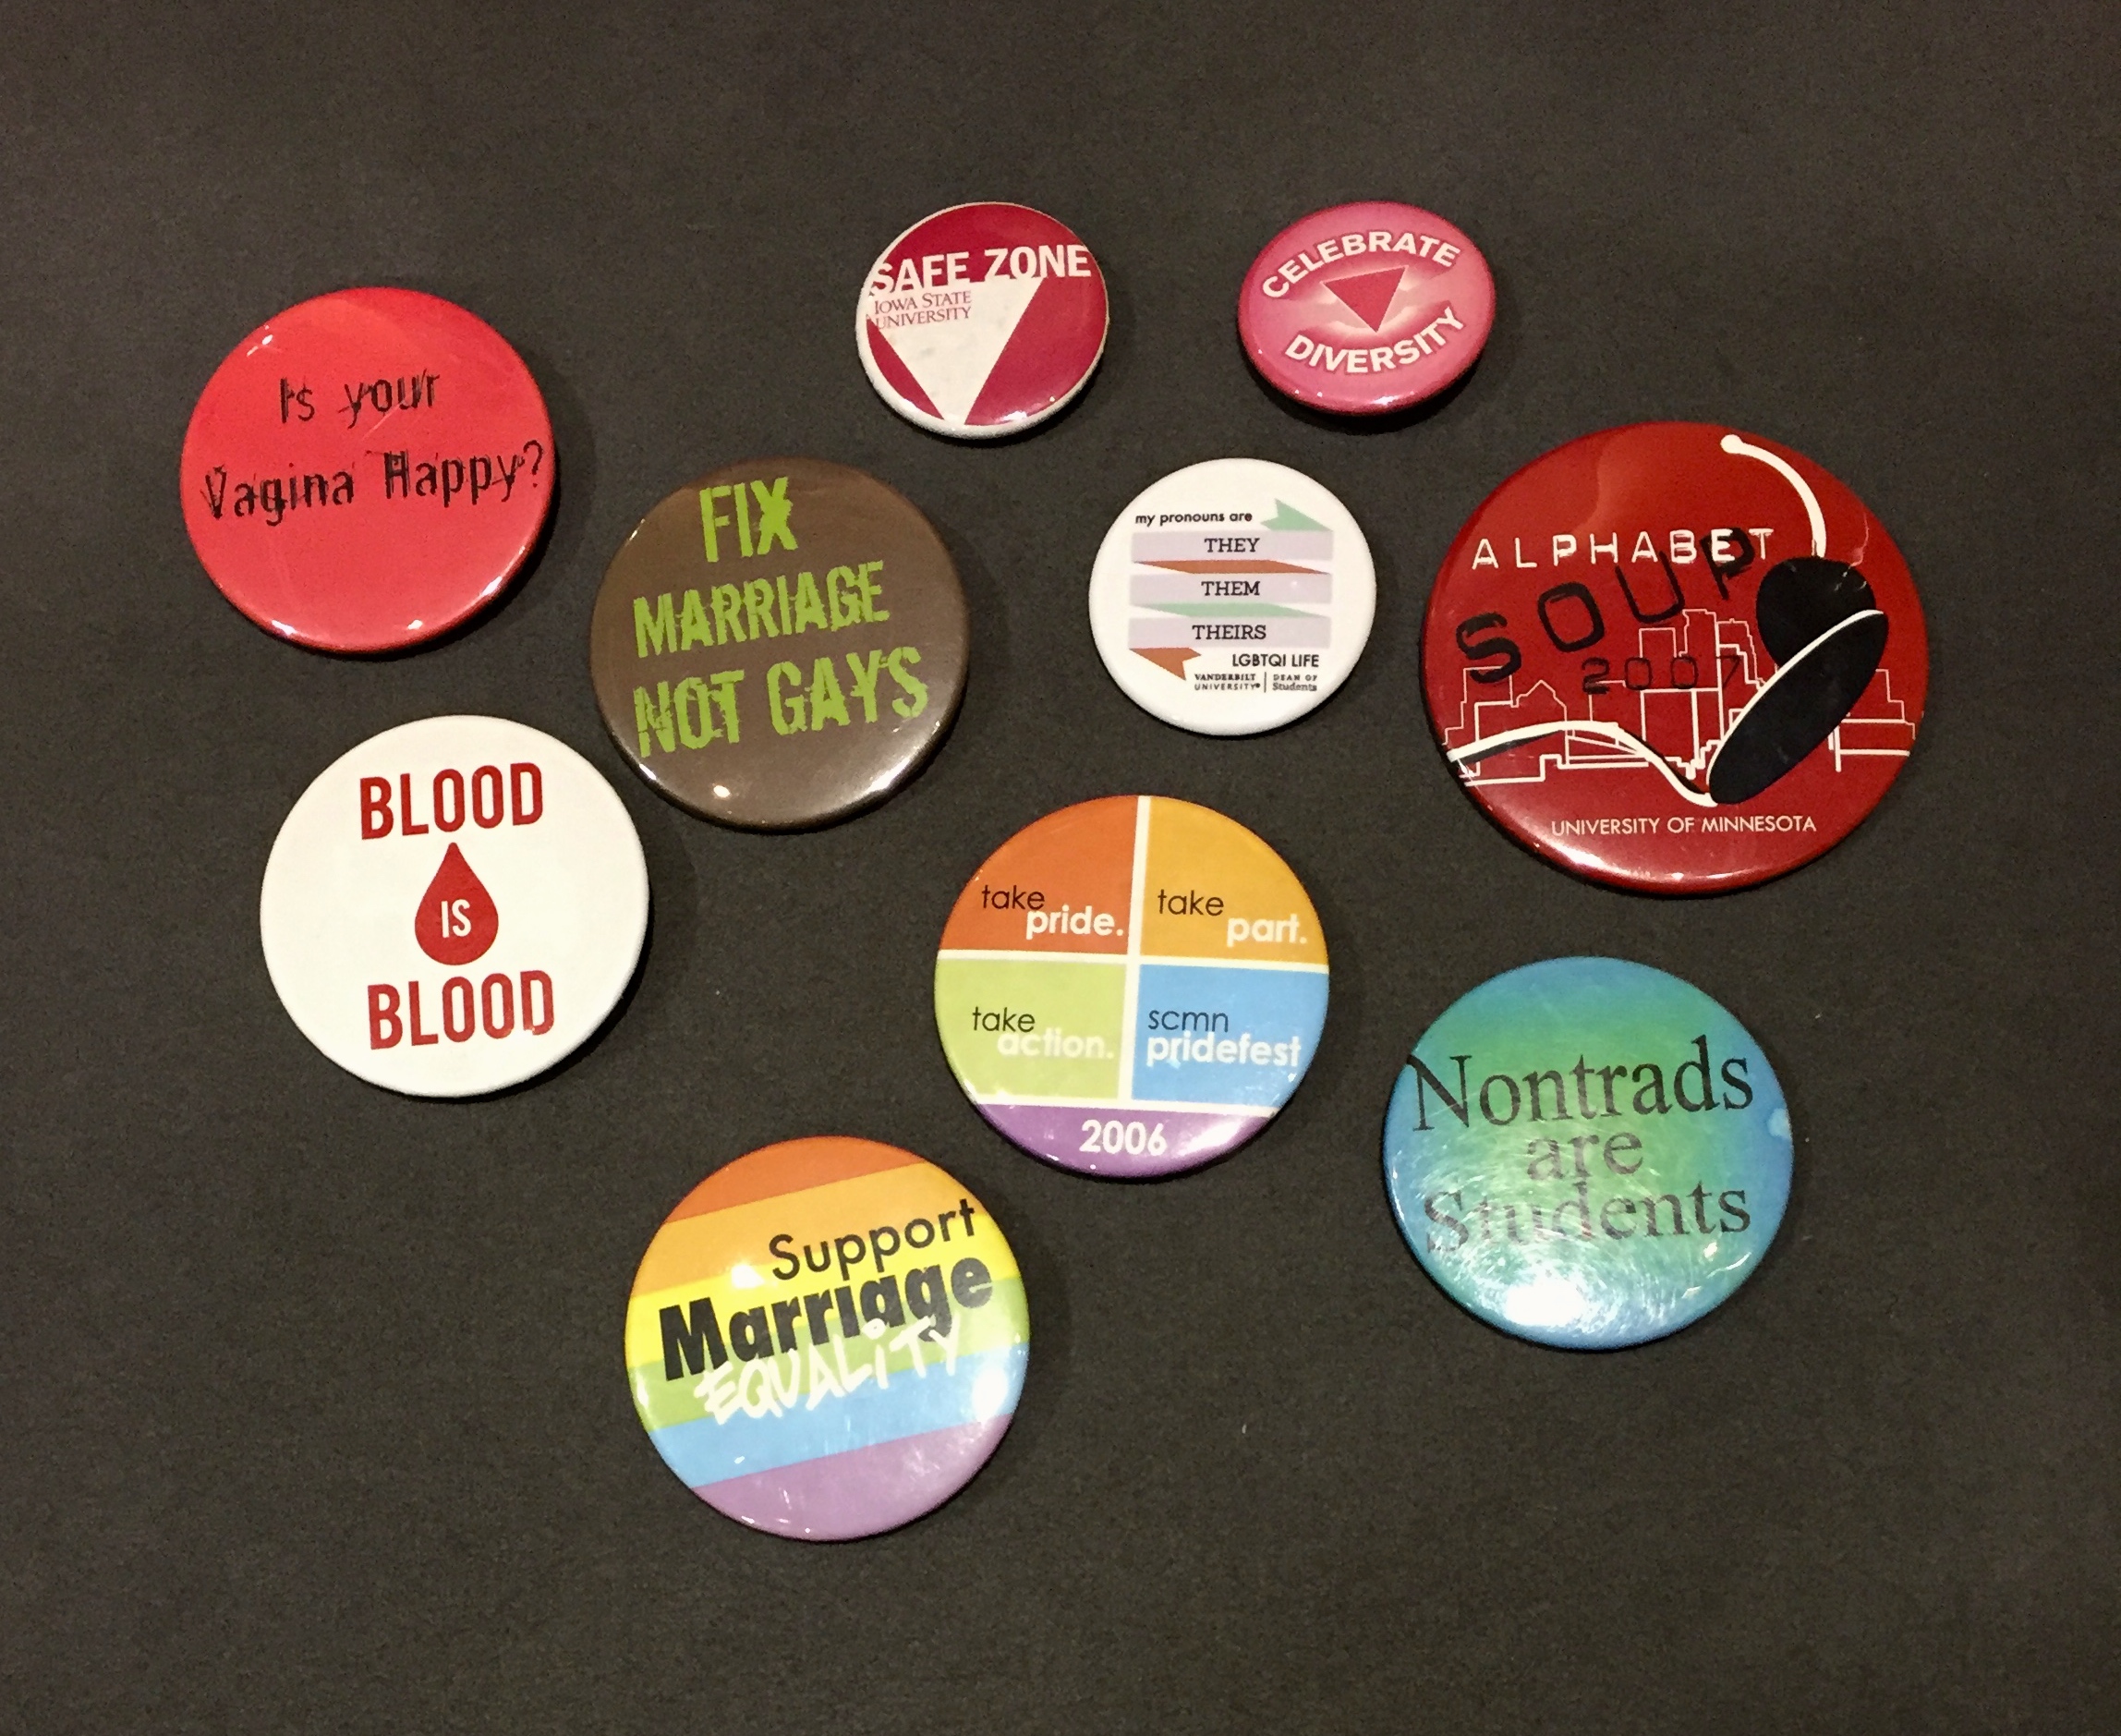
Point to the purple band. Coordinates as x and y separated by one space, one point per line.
1186 1137
861 1493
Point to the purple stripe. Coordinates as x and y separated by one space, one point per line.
860 1493
1191 1136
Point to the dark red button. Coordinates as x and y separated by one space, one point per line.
367 469
1675 658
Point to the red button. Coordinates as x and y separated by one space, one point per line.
367 469
1675 658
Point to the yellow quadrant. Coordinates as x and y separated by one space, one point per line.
1215 890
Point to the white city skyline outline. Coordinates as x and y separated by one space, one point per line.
1633 747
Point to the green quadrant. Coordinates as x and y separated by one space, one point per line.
1075 1012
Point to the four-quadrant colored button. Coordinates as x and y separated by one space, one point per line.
1131 986
827 1338
367 469
982 321
454 907
1675 658
1588 1152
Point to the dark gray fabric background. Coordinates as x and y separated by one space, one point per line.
311 1412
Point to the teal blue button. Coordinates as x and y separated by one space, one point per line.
1588 1153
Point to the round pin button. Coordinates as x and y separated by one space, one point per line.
781 644
982 321
1131 986
454 907
1366 309
366 470
827 1339
1233 597
1675 658
1587 1153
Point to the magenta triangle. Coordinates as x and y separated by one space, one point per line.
1368 294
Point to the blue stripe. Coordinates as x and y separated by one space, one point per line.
706 1451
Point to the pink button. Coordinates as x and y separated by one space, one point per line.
1366 309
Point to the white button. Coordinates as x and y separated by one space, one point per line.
454 907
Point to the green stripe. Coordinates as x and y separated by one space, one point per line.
1247 609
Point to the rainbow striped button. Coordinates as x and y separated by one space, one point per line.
827 1338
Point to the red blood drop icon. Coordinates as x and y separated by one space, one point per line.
457 921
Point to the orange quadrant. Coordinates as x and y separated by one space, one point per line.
1059 886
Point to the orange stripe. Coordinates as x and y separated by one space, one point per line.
788 1168
688 1250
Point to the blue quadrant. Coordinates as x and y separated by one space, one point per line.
1241 1036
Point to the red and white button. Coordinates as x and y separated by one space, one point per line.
982 321
454 907
366 470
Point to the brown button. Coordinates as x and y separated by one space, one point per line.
779 645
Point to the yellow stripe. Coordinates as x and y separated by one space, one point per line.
644 1331
994 1326
691 1248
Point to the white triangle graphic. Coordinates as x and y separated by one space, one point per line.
952 359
